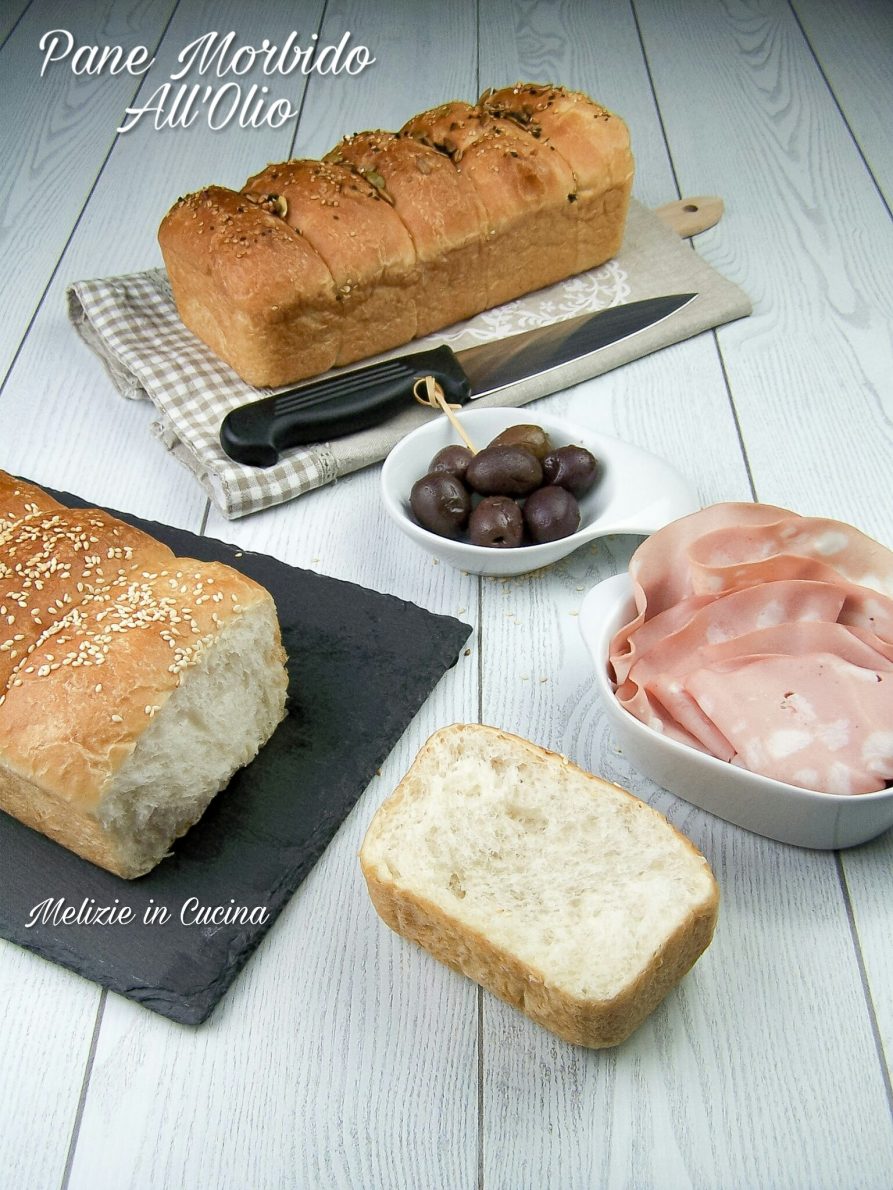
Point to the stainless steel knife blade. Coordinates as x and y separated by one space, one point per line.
495 365
352 400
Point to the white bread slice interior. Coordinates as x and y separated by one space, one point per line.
557 891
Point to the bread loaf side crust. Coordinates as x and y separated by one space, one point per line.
527 190
101 627
79 832
441 211
602 163
593 1023
362 242
250 287
285 290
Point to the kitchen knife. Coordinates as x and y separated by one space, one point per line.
354 400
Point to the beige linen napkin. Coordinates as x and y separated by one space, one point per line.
132 325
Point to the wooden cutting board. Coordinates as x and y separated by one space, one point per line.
689 216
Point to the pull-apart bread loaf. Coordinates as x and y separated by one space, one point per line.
133 683
560 893
317 264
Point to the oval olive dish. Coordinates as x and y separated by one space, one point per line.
637 492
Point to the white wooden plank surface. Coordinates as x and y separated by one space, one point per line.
339 1058
411 72
63 425
47 1033
577 1126
49 171
10 15
810 368
867 873
854 47
811 376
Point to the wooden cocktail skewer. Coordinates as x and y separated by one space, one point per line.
435 398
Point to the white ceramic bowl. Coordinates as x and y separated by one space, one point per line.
637 492
760 804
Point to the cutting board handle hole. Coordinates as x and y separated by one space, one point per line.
692 214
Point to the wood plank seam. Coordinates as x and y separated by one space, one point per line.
657 111
839 106
863 977
737 421
39 306
672 164
307 85
16 24
82 1097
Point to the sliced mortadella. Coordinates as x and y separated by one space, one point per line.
659 568
666 706
816 721
668 688
739 594
674 635
734 556
625 650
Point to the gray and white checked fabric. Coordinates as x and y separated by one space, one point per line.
131 322
132 325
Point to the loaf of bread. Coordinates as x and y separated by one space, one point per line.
560 893
315 264
133 683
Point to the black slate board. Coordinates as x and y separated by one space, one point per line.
360 665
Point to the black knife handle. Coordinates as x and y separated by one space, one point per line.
323 409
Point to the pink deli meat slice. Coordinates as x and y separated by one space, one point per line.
805 638
734 556
705 620
815 721
787 618
658 569
733 545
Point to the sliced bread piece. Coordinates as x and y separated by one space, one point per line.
557 891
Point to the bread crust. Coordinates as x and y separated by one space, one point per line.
250 287
602 164
527 191
99 626
372 265
50 562
593 1023
397 235
19 499
443 214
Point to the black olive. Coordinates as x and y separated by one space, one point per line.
533 438
551 513
571 467
504 471
497 521
440 503
452 459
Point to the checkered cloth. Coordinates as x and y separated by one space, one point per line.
131 322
